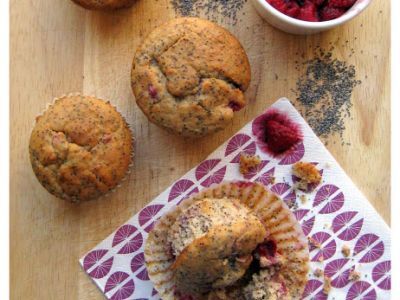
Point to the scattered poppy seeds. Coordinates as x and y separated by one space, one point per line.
212 9
324 92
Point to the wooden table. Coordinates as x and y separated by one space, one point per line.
57 48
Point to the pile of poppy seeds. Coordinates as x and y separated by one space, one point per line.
211 8
324 92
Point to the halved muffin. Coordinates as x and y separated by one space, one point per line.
234 241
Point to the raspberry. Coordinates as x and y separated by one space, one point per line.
292 9
341 3
288 7
278 4
235 106
329 13
318 2
280 137
267 249
308 12
152 91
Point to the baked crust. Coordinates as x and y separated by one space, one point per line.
80 148
189 76
104 4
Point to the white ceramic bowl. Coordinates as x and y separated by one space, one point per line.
295 26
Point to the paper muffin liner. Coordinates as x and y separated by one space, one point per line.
272 211
128 171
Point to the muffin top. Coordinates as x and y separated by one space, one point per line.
80 148
104 4
189 76
213 240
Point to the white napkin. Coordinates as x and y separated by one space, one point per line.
336 215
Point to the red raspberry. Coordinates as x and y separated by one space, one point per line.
280 137
267 249
341 3
152 91
279 5
235 106
288 7
308 12
292 9
329 13
318 2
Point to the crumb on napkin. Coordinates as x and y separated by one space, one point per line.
318 273
248 162
354 275
307 173
346 251
327 285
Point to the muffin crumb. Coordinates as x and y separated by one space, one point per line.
354 275
303 199
327 285
346 251
308 174
318 273
313 242
248 162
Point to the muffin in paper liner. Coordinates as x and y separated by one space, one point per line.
280 224
49 177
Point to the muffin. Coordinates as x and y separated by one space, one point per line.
80 148
189 76
223 232
232 241
104 4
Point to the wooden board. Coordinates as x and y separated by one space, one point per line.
57 48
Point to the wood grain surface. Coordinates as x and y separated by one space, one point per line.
58 47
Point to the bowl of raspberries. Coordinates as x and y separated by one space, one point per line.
309 16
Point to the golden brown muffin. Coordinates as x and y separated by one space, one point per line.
213 242
235 240
189 76
104 4
80 148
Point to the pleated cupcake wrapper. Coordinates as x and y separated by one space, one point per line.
279 221
48 105
332 216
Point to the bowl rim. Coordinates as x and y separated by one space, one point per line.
351 13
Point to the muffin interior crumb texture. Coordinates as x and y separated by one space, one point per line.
80 148
307 173
189 75
248 162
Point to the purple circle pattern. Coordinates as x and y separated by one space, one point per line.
346 226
